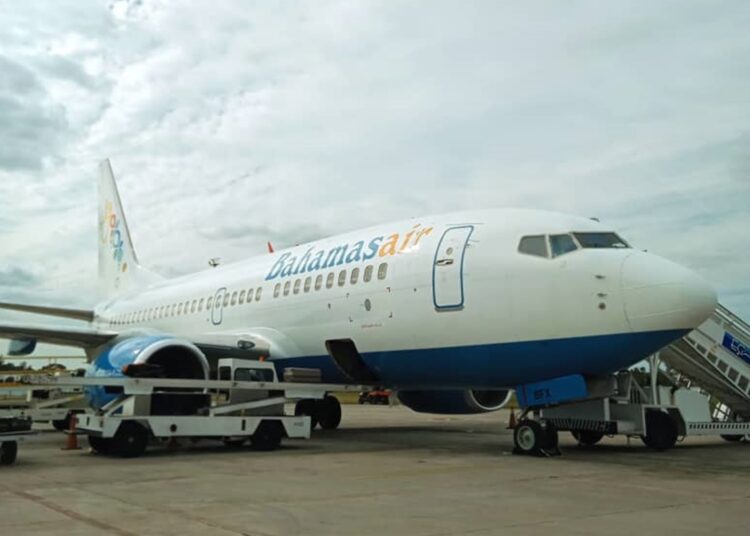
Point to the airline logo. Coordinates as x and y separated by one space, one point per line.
315 259
112 234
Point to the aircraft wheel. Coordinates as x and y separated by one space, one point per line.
307 407
268 436
130 441
661 431
328 412
8 452
587 438
102 445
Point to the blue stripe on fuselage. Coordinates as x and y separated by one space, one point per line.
500 365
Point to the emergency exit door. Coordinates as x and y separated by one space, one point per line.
448 268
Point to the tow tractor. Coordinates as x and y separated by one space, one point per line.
247 403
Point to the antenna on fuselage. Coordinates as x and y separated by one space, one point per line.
213 262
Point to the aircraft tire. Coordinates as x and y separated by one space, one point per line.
268 436
102 445
587 438
307 407
8 452
661 431
329 412
130 441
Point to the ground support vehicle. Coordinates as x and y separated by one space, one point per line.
249 406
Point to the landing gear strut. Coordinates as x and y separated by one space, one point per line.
535 438
326 412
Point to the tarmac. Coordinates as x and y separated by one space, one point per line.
387 471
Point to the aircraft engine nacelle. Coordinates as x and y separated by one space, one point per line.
172 357
455 402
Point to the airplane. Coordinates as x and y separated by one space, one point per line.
452 311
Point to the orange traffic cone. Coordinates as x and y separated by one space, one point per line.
71 441
512 422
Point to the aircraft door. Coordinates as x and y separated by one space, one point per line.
217 311
448 268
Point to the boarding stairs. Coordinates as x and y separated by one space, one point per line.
715 358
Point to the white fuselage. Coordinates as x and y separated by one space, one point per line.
442 291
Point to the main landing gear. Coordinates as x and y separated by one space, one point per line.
325 412
535 438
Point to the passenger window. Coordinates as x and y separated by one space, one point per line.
329 280
383 271
209 302
534 245
342 278
355 276
179 309
368 274
319 282
241 299
297 285
308 284
193 306
258 292
233 302
249 295
226 299
287 286
561 244
277 290
200 304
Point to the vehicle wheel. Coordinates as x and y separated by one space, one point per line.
63 424
329 412
732 438
551 437
661 431
8 452
268 436
587 438
130 441
233 442
307 407
102 445
529 437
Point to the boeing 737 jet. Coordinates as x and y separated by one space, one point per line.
451 310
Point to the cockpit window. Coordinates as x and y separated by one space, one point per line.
600 240
534 245
561 244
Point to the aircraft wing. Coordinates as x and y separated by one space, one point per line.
64 336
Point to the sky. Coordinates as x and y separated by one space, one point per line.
232 123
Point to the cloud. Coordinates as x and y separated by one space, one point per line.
230 124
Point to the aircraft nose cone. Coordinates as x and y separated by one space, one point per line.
661 295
